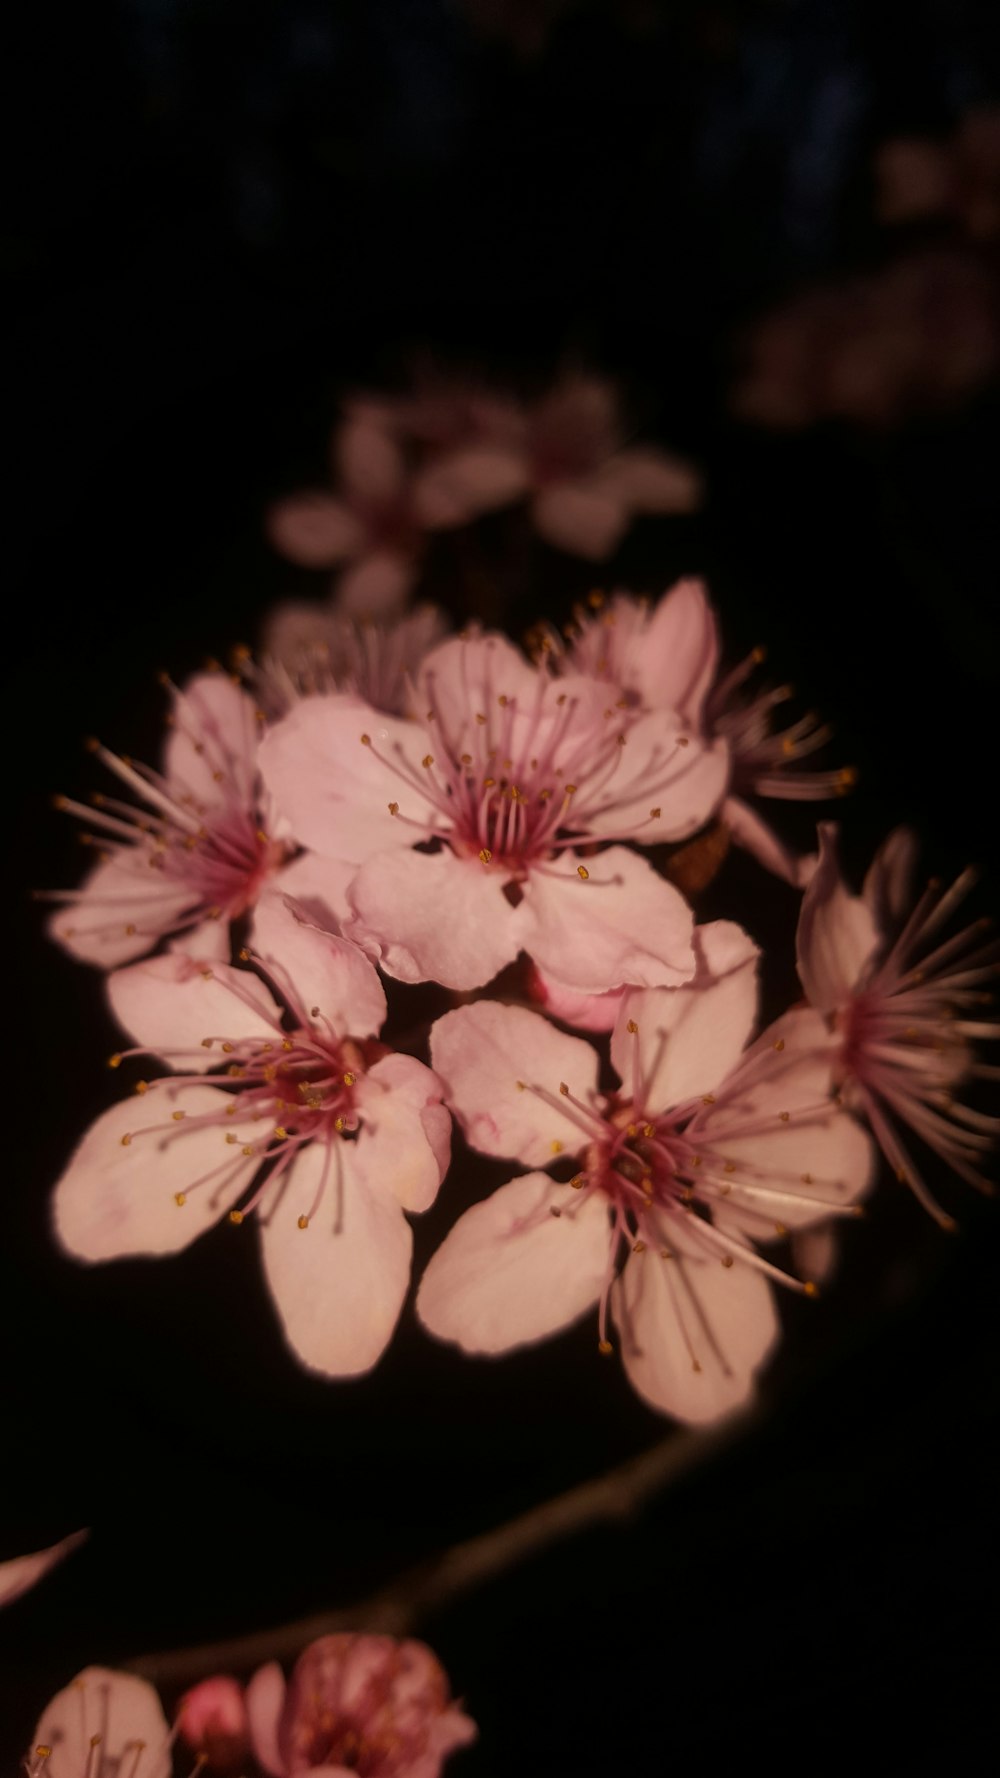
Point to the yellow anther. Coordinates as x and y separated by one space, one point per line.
115 1061
519 1085
683 741
649 1129
639 1247
807 1179
665 1253
780 1044
466 759
488 783
349 1079
654 814
281 1132
569 789
180 1199
578 1181
556 1146
632 1132
231 1110
810 1288
582 872
480 719
229 1134
564 1089
784 1116
604 1347
622 740
130 930
595 599
727 1260
394 808
207 976
126 1139
730 1167
314 1012
502 700
366 740
561 699
142 1086
485 855
780 1229
244 955
846 779
236 1216
227 1049
206 1043
43 1752
178 1115
708 1098
248 1148
427 761
340 1124
303 1222
287 1044
632 1028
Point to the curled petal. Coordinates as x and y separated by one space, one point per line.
265 1700
621 923
405 1143
322 975
837 935
319 887
588 1012
510 1272
483 1051
434 917
888 883
678 658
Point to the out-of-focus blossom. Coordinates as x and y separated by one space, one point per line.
704 1149
22 1573
918 178
357 1703
212 1719
341 1134
903 1009
309 649
918 336
512 773
666 656
568 456
196 855
102 1725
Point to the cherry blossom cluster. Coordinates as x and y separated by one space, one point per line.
439 458
355 1703
450 809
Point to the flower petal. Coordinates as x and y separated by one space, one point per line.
623 923
837 935
481 1053
24 1572
581 518
687 1039
464 483
333 789
510 1272
679 656
588 1012
338 1284
121 910
182 1009
465 675
434 917
405 1142
647 480
210 754
320 974
314 530
750 831
115 1708
887 886
118 1198
663 766
369 459
376 586
265 1698
319 887
693 1331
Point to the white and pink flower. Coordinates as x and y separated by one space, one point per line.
309 649
102 1725
511 775
357 1704
902 1008
705 1148
338 1135
667 656
212 1720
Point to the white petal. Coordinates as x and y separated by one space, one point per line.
265 1698
117 1707
174 1005
510 1272
621 923
210 756
837 935
320 974
319 886
481 1053
434 917
338 1285
687 1039
123 909
405 1142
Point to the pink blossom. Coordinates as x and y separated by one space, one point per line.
666 655
102 1725
510 775
566 453
903 1016
357 1704
21 1573
212 1719
340 1134
310 649
200 851
705 1148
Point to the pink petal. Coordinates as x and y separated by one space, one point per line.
370 461
117 1708
644 479
314 530
888 884
376 586
434 917
688 1038
319 887
837 935
322 976
465 675
122 911
265 1698
405 1143
294 626
679 657
693 1332
171 1005
751 832
588 1012
24 1572
210 756
458 487
510 1272
481 1053
622 924
207 943
333 789
116 1199
685 783
581 518
338 1285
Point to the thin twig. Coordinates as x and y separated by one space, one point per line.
420 1592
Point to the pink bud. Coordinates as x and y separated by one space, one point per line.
212 1719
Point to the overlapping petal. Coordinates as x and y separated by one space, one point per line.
490 1057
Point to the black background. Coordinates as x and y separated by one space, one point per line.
219 216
